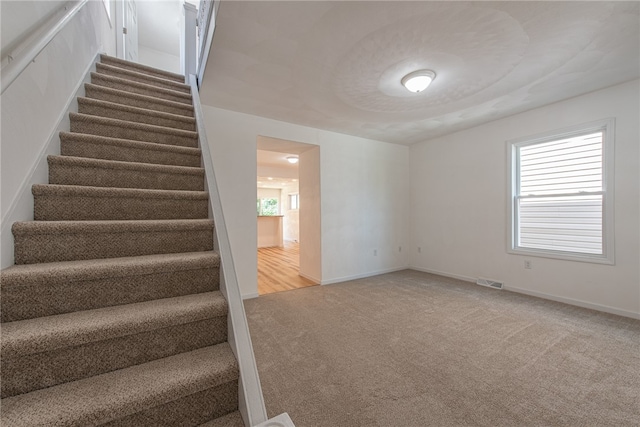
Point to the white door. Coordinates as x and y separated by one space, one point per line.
130 30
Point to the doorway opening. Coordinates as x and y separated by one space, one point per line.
152 32
287 198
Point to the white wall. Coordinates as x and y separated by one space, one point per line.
311 220
21 18
459 205
34 105
157 59
364 195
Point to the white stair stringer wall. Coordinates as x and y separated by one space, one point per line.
251 400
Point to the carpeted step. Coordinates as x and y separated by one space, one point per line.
47 289
233 419
114 128
66 170
81 203
135 100
96 107
48 351
101 147
53 241
140 88
136 76
185 389
106 59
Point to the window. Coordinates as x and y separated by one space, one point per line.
294 201
268 207
561 194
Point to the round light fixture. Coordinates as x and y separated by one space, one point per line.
292 159
418 80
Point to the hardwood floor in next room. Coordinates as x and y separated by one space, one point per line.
278 269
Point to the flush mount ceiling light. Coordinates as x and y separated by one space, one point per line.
292 159
418 80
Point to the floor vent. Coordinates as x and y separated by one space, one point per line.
490 283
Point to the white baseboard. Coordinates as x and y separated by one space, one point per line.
445 274
570 301
21 207
361 276
250 296
313 279
576 302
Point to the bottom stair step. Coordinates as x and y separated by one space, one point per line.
46 351
187 389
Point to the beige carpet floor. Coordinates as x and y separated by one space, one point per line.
415 349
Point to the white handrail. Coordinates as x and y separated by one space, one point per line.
239 337
27 50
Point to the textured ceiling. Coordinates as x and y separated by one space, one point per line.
337 65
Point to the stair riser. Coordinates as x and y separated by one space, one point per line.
102 93
35 248
66 174
116 131
126 154
191 410
41 370
115 113
144 70
142 78
98 79
29 301
116 208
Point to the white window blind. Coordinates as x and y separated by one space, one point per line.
559 195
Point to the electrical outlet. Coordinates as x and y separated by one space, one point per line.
375 252
527 264
419 250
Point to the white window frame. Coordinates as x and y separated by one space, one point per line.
608 128
297 204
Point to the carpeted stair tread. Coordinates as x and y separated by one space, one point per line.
96 107
76 227
77 203
114 395
26 373
100 147
140 88
136 76
234 419
137 100
53 241
56 349
67 170
79 190
106 59
114 128
72 329
45 274
37 290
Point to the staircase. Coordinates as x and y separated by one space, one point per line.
112 314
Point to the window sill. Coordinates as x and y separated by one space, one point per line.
563 256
